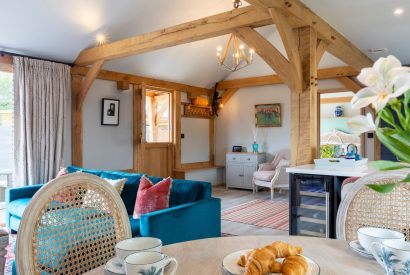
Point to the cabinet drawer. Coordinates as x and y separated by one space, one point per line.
249 159
233 158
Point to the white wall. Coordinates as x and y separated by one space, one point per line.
234 124
107 147
195 144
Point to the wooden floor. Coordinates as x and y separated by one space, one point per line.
233 197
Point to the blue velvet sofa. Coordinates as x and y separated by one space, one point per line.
192 213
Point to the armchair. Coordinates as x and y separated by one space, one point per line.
272 175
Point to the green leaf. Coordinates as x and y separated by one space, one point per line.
385 165
406 179
399 149
387 116
403 137
383 188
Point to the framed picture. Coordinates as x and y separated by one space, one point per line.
268 115
237 148
110 112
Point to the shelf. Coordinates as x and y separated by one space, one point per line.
312 220
313 194
313 207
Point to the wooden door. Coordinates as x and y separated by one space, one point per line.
151 158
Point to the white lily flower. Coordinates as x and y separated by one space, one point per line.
386 80
361 124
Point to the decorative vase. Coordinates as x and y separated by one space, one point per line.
338 111
255 147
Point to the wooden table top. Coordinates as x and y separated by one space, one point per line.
204 257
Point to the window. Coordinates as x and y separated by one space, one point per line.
6 131
158 116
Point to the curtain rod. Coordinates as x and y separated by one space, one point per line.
2 53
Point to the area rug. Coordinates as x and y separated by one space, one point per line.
10 254
262 213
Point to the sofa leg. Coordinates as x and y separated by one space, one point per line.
271 193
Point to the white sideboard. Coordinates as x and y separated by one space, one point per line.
240 168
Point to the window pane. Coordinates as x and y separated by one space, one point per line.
6 131
158 116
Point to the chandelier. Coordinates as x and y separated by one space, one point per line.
236 60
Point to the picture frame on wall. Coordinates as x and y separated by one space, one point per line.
110 112
268 115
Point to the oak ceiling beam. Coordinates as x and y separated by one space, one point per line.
135 79
268 53
350 84
227 95
90 76
289 40
200 29
320 50
338 45
275 79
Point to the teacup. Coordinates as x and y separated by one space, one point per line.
369 235
149 262
130 246
393 256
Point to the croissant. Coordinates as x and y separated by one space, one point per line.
283 250
294 265
261 261
243 258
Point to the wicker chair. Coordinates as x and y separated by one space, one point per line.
71 226
364 207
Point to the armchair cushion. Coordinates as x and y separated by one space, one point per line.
264 175
17 207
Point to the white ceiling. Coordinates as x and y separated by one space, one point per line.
59 30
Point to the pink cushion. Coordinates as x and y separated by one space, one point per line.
152 197
264 175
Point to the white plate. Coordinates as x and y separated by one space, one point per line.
115 267
230 265
356 247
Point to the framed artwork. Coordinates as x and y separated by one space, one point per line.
237 148
268 115
110 112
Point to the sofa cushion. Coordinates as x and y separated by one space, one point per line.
152 197
129 192
73 169
185 191
135 226
264 175
17 207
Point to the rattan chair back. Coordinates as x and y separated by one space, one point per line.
364 207
71 226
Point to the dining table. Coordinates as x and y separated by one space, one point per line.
205 256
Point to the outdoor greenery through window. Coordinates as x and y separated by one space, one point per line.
6 131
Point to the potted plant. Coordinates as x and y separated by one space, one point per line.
388 92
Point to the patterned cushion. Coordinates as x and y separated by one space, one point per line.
264 175
118 184
152 197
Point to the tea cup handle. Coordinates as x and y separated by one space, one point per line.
174 268
376 251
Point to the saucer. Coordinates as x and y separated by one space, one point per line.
229 264
356 247
114 267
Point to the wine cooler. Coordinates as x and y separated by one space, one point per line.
313 206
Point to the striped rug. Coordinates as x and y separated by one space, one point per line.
262 213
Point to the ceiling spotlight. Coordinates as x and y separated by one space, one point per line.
398 11
101 39
378 50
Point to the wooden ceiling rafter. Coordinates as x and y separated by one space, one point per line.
350 83
299 13
276 79
136 79
208 27
226 96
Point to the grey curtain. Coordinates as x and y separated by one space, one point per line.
40 106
